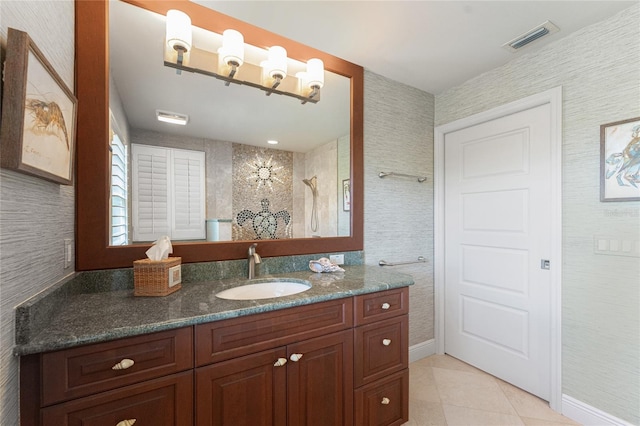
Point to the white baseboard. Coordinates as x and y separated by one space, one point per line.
422 350
587 415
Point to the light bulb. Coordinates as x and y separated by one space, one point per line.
178 30
277 62
232 49
315 73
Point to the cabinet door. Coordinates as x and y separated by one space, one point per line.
161 402
247 391
320 382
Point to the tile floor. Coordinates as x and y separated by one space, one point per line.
446 391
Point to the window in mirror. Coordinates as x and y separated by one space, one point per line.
168 193
118 212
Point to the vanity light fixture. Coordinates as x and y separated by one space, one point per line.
232 51
313 78
228 62
179 36
272 142
276 66
172 117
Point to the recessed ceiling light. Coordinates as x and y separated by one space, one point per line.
172 117
272 142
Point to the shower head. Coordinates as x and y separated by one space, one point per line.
311 183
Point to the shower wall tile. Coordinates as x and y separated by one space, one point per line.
322 162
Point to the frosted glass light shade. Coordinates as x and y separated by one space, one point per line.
315 73
178 30
277 62
232 49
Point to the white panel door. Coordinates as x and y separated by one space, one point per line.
497 231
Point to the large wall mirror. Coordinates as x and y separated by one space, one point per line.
308 187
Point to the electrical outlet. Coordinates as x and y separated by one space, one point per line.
68 252
338 259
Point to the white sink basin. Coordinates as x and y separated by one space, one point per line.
265 290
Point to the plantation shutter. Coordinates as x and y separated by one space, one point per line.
189 194
151 195
168 193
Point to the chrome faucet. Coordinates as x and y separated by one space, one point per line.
254 258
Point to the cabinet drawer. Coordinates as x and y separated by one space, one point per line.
222 340
377 306
86 370
160 402
384 403
381 349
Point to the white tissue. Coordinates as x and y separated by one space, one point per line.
160 249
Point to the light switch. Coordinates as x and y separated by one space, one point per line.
68 252
613 246
603 245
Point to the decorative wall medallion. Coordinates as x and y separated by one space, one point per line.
265 223
265 173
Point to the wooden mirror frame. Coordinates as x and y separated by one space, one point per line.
92 170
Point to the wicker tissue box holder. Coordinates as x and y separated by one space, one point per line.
157 277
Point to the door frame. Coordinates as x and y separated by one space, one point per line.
554 98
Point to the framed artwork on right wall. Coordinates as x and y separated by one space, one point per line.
620 160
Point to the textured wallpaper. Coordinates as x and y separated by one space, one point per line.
598 68
398 212
35 215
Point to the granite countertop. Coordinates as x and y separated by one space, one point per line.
100 316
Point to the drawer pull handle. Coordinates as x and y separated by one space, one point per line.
123 365
386 342
128 422
385 306
385 401
280 362
295 357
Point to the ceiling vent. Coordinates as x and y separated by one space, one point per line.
172 117
534 34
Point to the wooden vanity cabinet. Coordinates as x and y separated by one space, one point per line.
160 402
339 362
145 378
382 358
298 382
